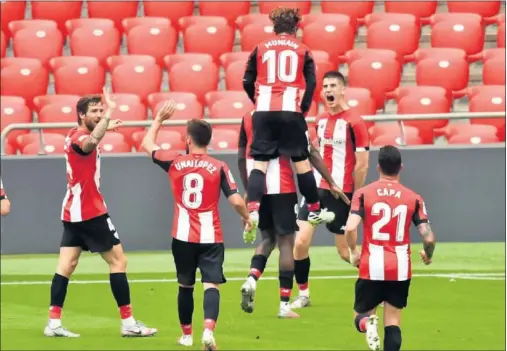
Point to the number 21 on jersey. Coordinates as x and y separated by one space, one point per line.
282 66
399 214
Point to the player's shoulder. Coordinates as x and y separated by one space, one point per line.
77 134
352 116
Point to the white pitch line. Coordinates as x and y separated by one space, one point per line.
471 276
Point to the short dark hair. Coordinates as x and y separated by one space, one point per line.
285 20
336 75
85 102
389 160
199 131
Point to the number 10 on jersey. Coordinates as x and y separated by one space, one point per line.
282 66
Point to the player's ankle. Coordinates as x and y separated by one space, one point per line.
55 323
128 322
186 329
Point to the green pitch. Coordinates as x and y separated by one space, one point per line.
458 303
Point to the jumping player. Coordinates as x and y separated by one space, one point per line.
386 208
343 143
278 214
86 223
275 71
196 180
5 204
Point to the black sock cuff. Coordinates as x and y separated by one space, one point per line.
286 279
186 289
392 329
257 171
61 277
117 275
259 262
303 261
358 319
212 291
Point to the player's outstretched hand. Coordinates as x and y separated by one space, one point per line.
354 257
166 111
338 193
109 99
424 257
114 124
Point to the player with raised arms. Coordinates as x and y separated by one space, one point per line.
386 208
196 181
86 222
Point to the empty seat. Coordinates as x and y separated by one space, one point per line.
193 58
396 140
129 108
399 36
3 44
493 71
58 113
113 137
58 11
361 101
488 99
488 54
38 43
14 110
173 10
57 62
252 18
253 34
462 31
115 147
43 100
188 21
113 61
266 7
35 137
216 8
392 132
482 8
451 74
327 18
49 148
473 138
187 104
470 130
16 26
137 79
95 42
158 22
11 11
353 9
230 57
500 35
166 139
154 41
116 11
53 143
230 108
355 54
209 39
194 78
214 96
224 139
9 149
79 76
95 23
420 9
234 76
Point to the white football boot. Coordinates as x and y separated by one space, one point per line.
372 337
137 330
248 295
208 341
59 331
186 340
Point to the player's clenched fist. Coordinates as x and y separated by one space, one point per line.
114 124
166 111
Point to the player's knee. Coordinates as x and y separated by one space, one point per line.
267 244
186 286
302 166
392 338
67 266
118 263
207 286
301 244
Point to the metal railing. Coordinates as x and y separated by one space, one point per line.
146 123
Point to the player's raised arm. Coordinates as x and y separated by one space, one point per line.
242 145
250 75
362 147
311 82
422 223
149 141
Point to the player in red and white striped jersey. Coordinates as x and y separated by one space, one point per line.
86 223
5 204
343 144
197 180
387 209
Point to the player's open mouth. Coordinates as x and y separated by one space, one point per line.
330 98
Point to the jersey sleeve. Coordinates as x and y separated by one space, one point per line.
361 135
163 159
420 215
77 141
250 75
227 182
357 205
2 191
243 140
310 80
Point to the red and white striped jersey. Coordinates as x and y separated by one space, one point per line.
280 67
339 137
387 208
83 200
196 181
279 175
3 195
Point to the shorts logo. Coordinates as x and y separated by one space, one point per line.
342 227
116 235
110 225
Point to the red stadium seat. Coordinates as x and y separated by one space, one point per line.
500 36
439 53
253 34
214 96
3 44
230 108
11 11
78 76
327 18
14 110
252 18
137 79
58 11
35 136
116 11
95 42
166 139
399 36
154 41
95 23
9 149
114 61
216 8
49 148
16 26
188 21
112 147
38 43
388 133
488 54
493 72
353 9
234 76
319 56
58 62
462 31
488 99
455 129
194 78
224 139
43 100
317 36
158 22
57 113
173 10
379 75
200 59
361 101
483 8
130 108
451 74
209 39
230 57
356 54
113 137
266 7
395 140
23 77
473 138
420 9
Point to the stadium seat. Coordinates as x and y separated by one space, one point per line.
43 100
500 35
53 143
317 36
486 9
355 54
58 113
194 78
166 139
353 9
188 21
130 108
327 18
137 79
420 9
3 44
234 76
449 54
266 7
230 108
488 54
451 74
389 133
487 99
95 23
194 58
79 77
319 56
113 137
473 138
58 11
113 61
49 148
209 39
214 96
95 42
187 105
216 8
395 140
16 26
158 22
361 101
116 11
111 147
14 110
173 10
252 18
61 61
377 74
464 129
38 43
389 17
462 31
11 11
23 77
401 37
254 33
493 71
230 57
224 139
154 41
9 149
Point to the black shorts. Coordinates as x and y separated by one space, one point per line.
278 133
278 213
337 206
95 235
370 293
209 258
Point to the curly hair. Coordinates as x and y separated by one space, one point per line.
285 20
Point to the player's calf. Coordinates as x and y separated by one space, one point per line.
302 273
257 266
185 313
211 305
392 338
